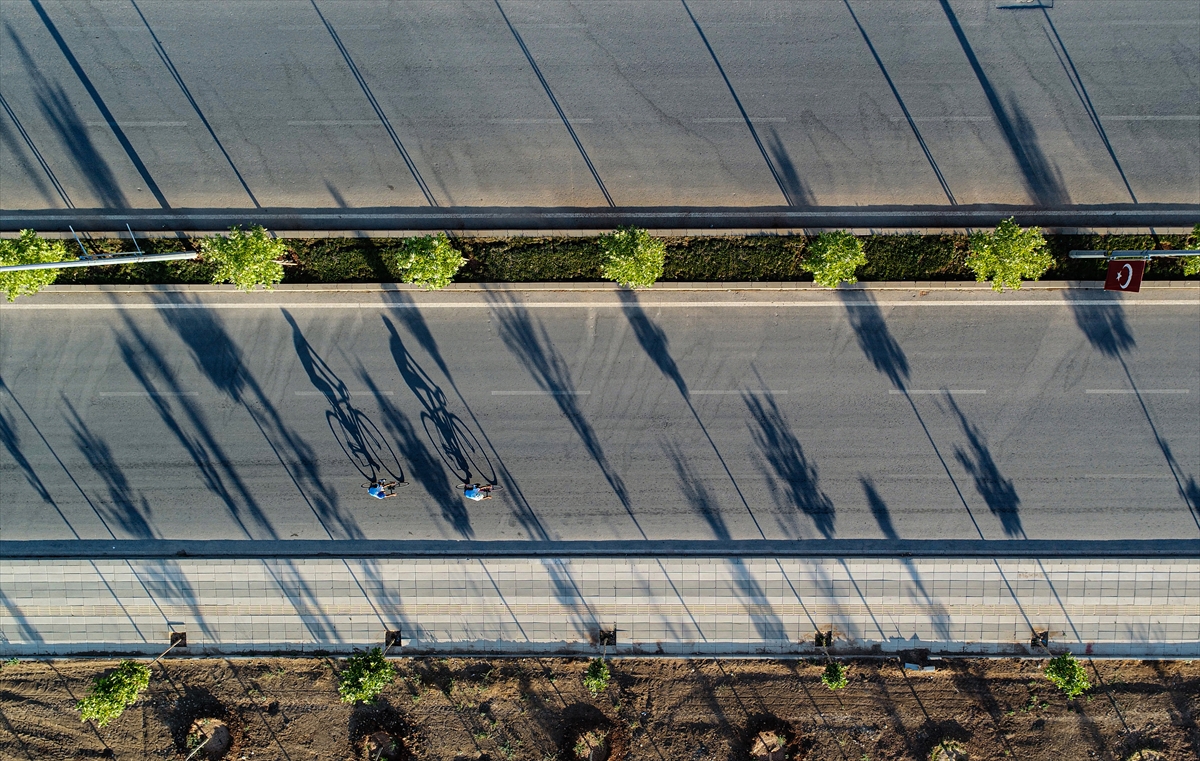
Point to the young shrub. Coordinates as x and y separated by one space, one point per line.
833 257
1008 255
632 257
1068 675
428 261
835 676
597 676
365 676
111 695
245 259
30 248
1191 264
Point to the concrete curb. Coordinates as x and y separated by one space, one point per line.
915 285
166 549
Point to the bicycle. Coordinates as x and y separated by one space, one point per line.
388 487
487 489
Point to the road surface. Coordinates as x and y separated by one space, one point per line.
823 103
701 415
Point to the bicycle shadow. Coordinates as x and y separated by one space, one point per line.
453 440
359 437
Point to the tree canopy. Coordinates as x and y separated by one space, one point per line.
1008 255
833 257
29 248
428 261
245 258
633 257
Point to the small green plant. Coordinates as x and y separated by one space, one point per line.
597 676
11 662
1008 255
365 676
1068 675
1191 264
834 676
111 695
428 261
632 257
29 248
833 257
245 258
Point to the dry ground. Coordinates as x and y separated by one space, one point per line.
666 710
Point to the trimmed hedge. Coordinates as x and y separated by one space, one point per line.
723 259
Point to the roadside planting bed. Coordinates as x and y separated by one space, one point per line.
670 710
709 259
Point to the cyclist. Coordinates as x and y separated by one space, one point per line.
477 492
379 491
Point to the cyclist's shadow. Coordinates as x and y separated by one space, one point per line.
453 439
359 437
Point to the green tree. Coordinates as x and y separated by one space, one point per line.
1008 255
632 257
833 257
30 248
835 676
245 258
1068 675
111 695
428 261
365 676
1191 264
596 677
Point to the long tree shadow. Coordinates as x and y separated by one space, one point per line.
124 507
408 315
874 337
655 343
997 491
1042 180
1107 330
12 444
358 436
167 62
101 106
912 124
793 480
450 436
530 343
879 508
220 360
187 423
58 109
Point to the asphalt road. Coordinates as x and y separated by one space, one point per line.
691 416
822 103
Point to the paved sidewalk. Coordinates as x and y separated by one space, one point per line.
672 606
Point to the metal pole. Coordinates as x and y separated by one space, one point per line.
1130 254
137 259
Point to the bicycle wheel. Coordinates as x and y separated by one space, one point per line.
493 487
399 484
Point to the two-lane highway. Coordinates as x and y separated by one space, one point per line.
957 415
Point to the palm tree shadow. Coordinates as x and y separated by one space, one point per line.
997 491
793 483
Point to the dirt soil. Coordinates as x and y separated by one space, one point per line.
666 710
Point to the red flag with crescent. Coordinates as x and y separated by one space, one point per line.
1125 275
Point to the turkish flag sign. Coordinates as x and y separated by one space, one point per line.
1125 275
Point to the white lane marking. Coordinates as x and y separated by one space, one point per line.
740 120
592 305
538 121
915 391
1122 475
751 391
149 393
338 123
137 124
541 393
942 119
1163 118
348 393
1137 391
